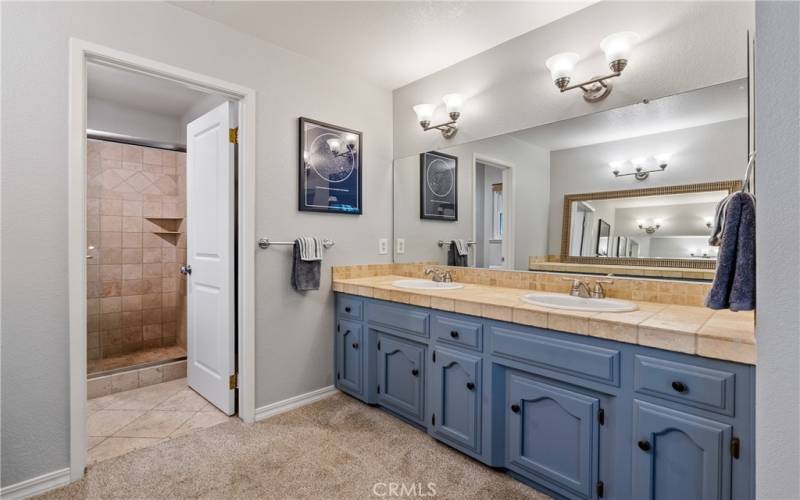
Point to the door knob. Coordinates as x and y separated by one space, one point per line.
415 372
347 309
470 386
355 345
644 445
186 269
679 386
515 408
454 334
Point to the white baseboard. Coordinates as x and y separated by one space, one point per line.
294 402
35 485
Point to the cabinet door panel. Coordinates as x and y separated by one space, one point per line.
401 376
349 357
457 398
553 434
678 455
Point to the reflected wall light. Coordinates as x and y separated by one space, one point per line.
617 49
453 102
639 165
649 227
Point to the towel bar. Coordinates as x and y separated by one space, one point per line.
265 243
442 243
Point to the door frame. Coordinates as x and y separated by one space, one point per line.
508 204
81 52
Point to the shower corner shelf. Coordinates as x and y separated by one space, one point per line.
166 232
164 218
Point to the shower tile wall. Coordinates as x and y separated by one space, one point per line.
136 294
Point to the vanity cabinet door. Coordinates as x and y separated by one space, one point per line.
456 398
401 376
677 455
350 357
552 435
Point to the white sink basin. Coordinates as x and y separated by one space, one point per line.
425 285
568 302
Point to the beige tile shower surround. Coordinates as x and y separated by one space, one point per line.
670 314
136 294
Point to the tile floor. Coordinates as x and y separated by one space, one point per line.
140 357
143 417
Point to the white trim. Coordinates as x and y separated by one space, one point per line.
508 205
294 402
36 485
79 52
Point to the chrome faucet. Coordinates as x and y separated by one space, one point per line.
439 275
583 290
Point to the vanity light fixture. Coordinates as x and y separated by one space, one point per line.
453 103
617 48
649 227
639 165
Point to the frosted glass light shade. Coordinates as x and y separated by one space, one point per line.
335 145
619 45
351 139
424 112
453 102
638 161
615 165
562 65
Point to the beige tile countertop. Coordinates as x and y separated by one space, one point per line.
688 329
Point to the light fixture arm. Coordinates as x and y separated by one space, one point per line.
640 173
448 129
599 79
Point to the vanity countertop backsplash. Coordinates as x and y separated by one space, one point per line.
670 314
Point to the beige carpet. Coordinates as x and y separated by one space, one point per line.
337 448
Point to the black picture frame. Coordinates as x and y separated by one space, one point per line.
603 238
435 203
328 181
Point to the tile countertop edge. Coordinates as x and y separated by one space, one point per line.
689 329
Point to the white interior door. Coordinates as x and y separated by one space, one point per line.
210 167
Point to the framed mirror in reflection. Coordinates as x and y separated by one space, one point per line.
651 171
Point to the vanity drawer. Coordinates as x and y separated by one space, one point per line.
576 359
404 318
349 307
696 386
457 332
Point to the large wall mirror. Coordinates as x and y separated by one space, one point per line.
567 192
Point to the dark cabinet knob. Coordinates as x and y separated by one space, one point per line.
470 386
454 334
355 345
644 445
347 309
679 386
415 372
515 408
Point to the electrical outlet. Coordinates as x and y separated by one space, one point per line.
383 246
401 245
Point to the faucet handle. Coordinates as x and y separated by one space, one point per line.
598 292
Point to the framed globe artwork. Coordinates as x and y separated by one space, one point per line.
330 168
438 185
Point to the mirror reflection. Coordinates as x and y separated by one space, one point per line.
651 175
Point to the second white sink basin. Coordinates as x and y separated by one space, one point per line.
568 302
425 285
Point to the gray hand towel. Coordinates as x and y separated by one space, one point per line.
305 273
734 284
454 258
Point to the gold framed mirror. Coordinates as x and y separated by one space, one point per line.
664 226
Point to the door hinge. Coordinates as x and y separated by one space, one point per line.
338 328
379 345
433 419
233 383
434 356
736 446
233 135
600 489
601 416
338 375
379 388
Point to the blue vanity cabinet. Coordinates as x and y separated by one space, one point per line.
455 382
401 376
679 455
350 357
552 435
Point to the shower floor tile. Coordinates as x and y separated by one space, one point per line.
143 357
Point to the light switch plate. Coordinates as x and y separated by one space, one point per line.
401 245
383 246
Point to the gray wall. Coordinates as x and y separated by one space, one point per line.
778 253
294 340
715 152
685 45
